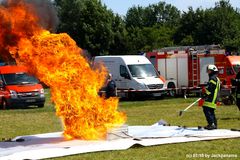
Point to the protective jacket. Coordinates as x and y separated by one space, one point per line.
111 89
212 91
237 82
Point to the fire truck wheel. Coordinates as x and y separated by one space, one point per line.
228 100
41 105
172 92
4 104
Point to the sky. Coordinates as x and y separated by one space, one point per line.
121 6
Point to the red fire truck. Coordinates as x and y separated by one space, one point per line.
184 68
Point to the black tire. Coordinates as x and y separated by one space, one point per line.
233 101
40 105
199 94
228 100
173 92
4 104
131 96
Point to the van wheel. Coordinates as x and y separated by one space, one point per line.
40 105
131 96
4 104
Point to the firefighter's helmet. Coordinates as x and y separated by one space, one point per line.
212 67
109 75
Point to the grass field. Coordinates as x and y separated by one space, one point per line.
42 120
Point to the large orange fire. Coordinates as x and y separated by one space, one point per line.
57 61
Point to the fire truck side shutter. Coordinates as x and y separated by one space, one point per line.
204 62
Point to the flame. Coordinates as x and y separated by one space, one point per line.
58 62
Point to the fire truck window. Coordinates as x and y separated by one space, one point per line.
221 71
229 71
236 68
1 82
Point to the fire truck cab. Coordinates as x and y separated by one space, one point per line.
231 69
18 88
184 68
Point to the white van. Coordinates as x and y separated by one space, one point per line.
134 75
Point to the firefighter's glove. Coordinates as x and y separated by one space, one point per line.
204 96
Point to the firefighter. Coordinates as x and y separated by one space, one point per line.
237 83
111 89
210 96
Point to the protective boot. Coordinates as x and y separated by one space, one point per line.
211 127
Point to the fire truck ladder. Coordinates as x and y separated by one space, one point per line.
194 68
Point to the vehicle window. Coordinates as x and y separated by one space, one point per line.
229 71
142 70
1 81
19 79
236 68
123 71
153 60
1 78
221 71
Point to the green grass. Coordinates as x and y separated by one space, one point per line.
34 121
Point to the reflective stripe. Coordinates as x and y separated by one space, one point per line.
216 90
207 92
212 81
238 95
209 104
213 104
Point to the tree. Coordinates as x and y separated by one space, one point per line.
218 25
157 37
223 23
120 42
88 22
149 38
190 25
160 13
135 17
151 27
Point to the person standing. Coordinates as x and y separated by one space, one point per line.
111 88
210 97
237 84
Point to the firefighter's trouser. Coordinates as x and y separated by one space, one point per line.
238 99
210 115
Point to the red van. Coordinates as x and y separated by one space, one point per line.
19 89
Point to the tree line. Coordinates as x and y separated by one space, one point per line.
98 30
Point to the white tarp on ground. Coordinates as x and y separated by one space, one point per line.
54 145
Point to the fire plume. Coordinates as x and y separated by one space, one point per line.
58 62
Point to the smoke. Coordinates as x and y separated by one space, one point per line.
43 9
11 30
46 12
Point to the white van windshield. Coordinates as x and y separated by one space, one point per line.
19 79
142 70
